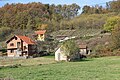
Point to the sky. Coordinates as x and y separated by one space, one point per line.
79 2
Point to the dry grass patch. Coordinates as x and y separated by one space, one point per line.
27 62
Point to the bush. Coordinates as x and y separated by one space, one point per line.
115 37
111 22
101 51
15 66
43 53
3 50
116 52
4 31
69 48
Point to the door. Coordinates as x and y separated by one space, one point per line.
58 56
18 44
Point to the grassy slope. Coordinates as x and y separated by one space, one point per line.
106 68
78 33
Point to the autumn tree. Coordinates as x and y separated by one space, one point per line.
115 5
69 48
94 9
86 9
115 38
67 11
110 23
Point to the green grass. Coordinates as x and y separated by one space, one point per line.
107 68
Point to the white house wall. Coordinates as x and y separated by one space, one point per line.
59 56
83 51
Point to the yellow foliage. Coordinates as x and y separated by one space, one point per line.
43 26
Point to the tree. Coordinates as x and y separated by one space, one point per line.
110 23
68 11
86 9
69 48
115 6
4 32
115 38
94 9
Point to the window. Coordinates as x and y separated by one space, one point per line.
41 34
18 44
11 44
11 51
25 47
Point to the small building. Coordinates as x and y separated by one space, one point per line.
40 35
20 46
83 49
59 56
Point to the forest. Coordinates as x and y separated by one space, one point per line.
19 18
33 15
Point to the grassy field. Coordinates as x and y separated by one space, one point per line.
107 68
27 62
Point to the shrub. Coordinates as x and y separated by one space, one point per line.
110 23
69 48
43 53
4 31
3 50
115 37
101 51
15 66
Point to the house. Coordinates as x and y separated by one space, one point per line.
20 46
83 49
59 56
40 35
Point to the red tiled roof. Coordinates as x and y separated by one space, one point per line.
26 39
82 46
40 32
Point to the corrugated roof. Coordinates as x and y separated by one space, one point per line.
40 32
26 39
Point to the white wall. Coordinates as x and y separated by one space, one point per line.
83 51
59 56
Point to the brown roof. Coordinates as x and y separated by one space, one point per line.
23 38
40 32
82 46
26 39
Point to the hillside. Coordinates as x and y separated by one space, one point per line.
91 37
65 20
77 33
